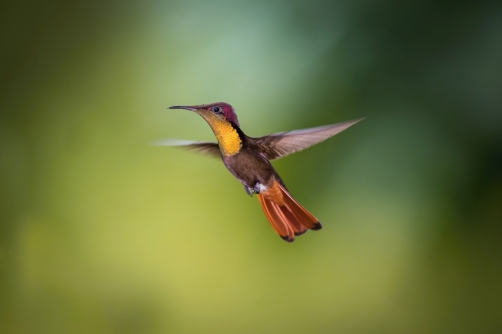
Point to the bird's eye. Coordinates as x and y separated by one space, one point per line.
216 109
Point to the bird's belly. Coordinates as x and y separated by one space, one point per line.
250 169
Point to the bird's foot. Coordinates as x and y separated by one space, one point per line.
258 188
250 191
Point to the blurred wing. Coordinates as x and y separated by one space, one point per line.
280 144
208 148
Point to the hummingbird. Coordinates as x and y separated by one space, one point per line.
248 159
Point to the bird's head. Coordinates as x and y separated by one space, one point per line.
214 112
223 121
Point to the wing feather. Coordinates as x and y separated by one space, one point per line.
280 144
208 148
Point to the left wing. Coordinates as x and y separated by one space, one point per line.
280 144
208 148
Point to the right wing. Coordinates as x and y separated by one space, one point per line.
208 148
278 145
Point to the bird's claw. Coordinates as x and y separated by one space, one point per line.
255 190
249 191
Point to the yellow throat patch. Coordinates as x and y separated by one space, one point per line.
228 139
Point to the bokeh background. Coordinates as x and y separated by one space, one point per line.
102 233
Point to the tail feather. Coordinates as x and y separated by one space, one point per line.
297 226
307 219
287 217
279 216
279 224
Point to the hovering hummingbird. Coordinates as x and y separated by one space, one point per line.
248 159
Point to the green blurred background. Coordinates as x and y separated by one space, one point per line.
101 233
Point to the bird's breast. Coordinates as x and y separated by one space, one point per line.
249 167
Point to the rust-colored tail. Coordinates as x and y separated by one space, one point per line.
287 216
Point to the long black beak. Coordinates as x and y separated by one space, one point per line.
183 107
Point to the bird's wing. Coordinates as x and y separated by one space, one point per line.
280 144
208 148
